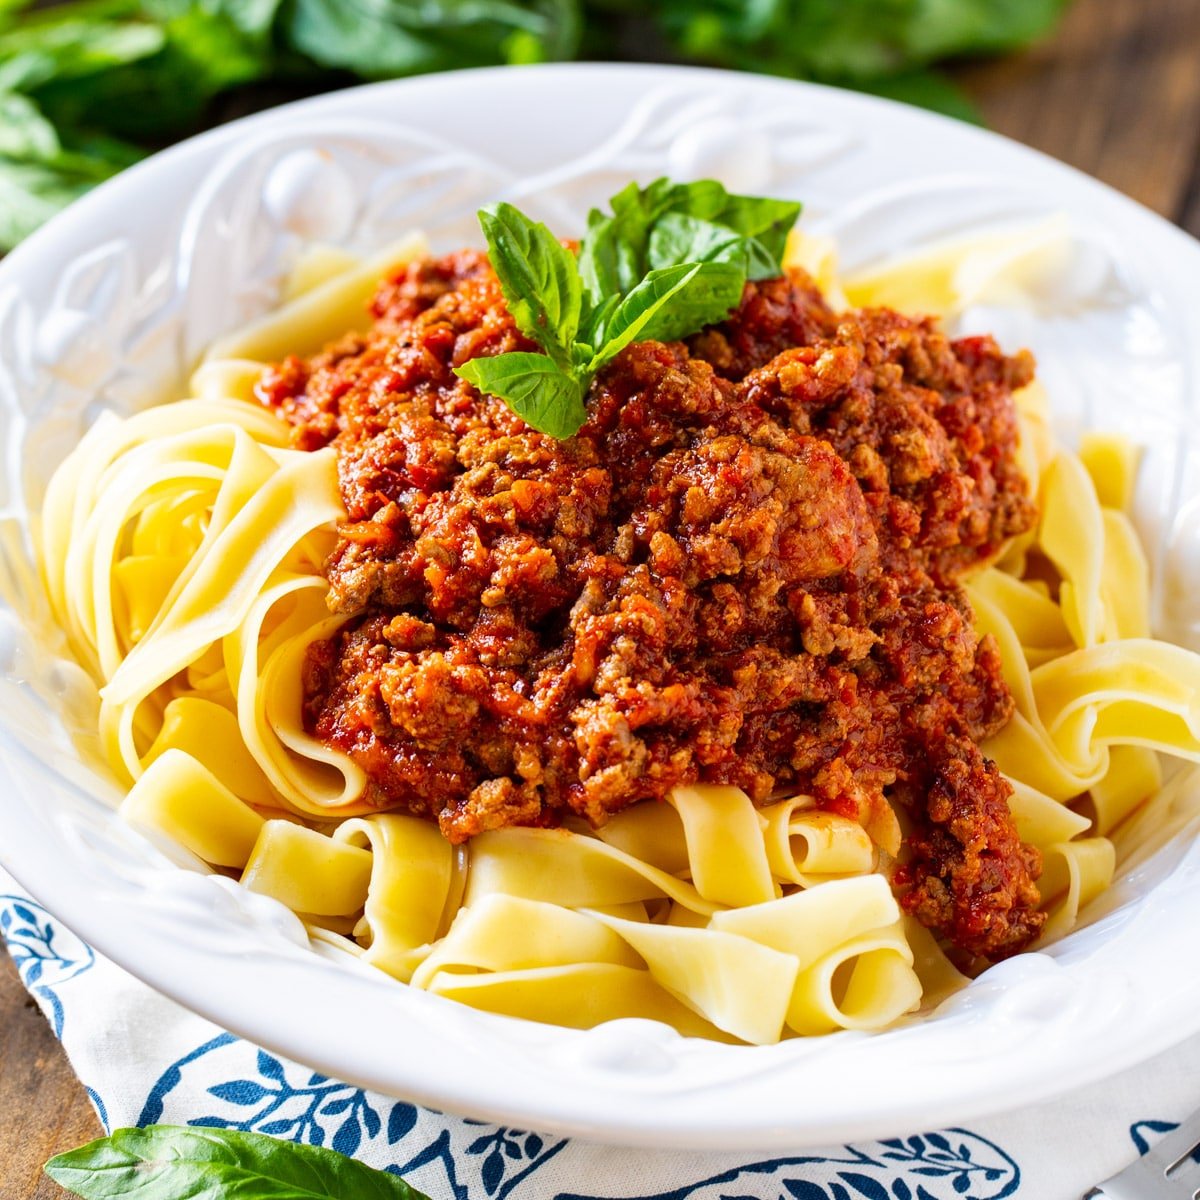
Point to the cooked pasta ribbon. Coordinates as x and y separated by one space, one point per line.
325 302
182 552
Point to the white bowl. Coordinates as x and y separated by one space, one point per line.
109 305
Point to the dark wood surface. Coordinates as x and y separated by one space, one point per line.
43 1108
1116 93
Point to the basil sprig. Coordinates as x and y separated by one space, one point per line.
669 259
173 1162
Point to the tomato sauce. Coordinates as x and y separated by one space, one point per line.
743 569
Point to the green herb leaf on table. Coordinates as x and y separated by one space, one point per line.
59 46
381 39
170 1162
31 193
116 79
853 43
24 132
669 259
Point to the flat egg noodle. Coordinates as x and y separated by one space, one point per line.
509 933
180 798
183 551
1073 874
580 996
309 777
736 983
1093 713
573 870
230 575
854 921
1112 462
1124 580
208 732
416 886
807 924
309 872
881 986
1071 535
75 485
1134 773
329 306
727 855
300 496
559 870
806 846
1006 267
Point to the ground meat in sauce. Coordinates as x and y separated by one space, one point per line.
742 570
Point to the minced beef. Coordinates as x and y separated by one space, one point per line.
743 569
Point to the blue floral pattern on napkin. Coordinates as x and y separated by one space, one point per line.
227 1082
46 953
248 1088
934 1166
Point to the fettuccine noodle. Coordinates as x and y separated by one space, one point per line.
182 551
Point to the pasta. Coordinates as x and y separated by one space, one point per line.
182 551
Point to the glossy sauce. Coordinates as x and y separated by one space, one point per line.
742 570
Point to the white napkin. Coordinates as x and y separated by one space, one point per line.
145 1060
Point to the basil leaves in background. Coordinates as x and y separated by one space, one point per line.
89 86
173 1162
669 259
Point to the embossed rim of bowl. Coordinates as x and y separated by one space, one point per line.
1029 1030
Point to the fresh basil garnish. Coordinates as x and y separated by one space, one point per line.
539 278
671 303
174 1162
669 259
535 387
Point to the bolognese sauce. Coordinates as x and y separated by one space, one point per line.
743 569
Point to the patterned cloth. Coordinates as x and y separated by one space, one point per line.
144 1059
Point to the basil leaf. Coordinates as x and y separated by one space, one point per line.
671 303
542 394
610 261
538 276
703 198
661 266
767 221
665 224
171 1162
24 132
850 42
614 256
30 194
380 39
596 327
40 51
680 239
683 233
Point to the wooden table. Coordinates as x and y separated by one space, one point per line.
1115 93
